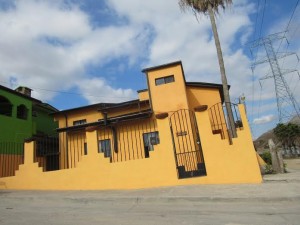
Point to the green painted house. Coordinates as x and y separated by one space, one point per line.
22 116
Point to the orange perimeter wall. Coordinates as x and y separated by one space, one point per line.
225 164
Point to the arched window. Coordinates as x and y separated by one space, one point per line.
22 112
5 106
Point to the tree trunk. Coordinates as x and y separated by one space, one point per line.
232 130
277 161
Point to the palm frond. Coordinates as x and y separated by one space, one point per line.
201 6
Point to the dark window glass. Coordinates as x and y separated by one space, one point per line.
22 112
79 122
85 148
169 79
159 81
104 147
5 107
150 139
164 80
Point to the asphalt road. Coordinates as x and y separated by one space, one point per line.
55 209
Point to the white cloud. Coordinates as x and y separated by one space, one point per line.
265 108
49 45
96 89
178 35
105 44
30 19
264 119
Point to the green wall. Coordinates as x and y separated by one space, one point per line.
13 129
44 123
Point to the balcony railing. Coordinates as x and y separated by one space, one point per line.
219 120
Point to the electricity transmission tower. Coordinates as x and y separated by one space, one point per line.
287 106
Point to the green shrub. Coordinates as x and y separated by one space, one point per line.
268 169
266 156
284 167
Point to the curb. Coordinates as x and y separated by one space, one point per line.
182 199
163 199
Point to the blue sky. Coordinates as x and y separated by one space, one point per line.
79 52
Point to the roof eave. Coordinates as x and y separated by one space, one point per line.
20 94
162 66
110 121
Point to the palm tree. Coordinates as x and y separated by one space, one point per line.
211 7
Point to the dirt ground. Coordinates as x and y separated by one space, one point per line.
293 164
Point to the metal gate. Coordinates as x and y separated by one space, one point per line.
186 142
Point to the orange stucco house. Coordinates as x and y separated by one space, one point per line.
175 133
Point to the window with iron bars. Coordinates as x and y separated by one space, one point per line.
150 139
105 147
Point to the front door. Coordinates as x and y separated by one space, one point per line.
186 142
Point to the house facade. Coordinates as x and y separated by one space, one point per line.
21 117
175 133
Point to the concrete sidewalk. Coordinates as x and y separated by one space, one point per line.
274 202
276 187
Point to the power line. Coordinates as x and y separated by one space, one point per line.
292 15
255 57
259 104
287 26
254 34
71 93
263 16
284 96
294 11
295 32
286 50
261 24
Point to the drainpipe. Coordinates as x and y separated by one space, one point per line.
67 150
113 130
115 139
105 118
66 118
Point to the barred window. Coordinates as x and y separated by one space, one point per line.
22 112
104 147
150 139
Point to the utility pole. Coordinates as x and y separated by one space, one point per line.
284 96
